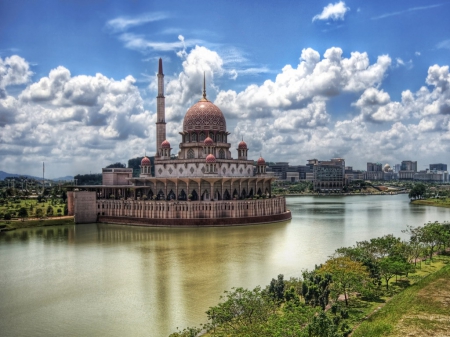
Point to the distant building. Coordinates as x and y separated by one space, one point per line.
278 169
284 171
431 176
407 170
374 172
351 175
329 176
438 167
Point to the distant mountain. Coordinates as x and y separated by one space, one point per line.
63 178
4 175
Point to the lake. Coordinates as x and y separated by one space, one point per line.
99 279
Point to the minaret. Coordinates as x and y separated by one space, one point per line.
160 111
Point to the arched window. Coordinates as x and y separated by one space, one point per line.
218 138
193 137
211 135
201 137
186 138
190 154
221 154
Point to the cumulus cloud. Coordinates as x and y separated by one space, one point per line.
332 11
67 119
85 122
313 77
14 70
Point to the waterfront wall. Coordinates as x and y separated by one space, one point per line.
191 209
170 213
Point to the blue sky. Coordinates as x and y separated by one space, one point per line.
364 80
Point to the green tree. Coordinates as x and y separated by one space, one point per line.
316 288
276 288
49 210
59 211
433 235
388 269
322 326
23 213
39 212
348 275
7 216
242 313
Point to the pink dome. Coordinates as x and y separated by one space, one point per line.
208 141
210 158
165 144
145 161
205 116
261 161
242 146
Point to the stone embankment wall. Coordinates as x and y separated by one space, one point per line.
191 209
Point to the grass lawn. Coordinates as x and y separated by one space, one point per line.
422 309
31 205
433 202
56 221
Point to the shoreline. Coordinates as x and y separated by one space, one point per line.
339 194
430 202
18 224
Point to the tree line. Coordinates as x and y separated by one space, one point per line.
319 303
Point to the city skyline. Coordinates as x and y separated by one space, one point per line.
362 81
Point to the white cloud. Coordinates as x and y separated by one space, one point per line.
444 44
332 11
81 123
14 70
124 22
412 9
140 43
294 87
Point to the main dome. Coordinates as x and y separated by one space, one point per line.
204 116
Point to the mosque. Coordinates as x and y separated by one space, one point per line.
202 186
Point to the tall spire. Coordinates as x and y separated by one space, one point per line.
204 88
160 110
160 69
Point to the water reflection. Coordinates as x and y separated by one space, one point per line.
133 281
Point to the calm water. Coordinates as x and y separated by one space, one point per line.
98 280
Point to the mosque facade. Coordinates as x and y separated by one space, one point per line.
202 185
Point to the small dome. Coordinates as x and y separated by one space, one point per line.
145 161
165 144
208 141
261 161
210 158
242 145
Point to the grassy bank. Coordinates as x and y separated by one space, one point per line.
420 310
433 202
16 224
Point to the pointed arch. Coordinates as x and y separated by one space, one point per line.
226 195
190 154
182 195
160 195
194 195
171 195
221 154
